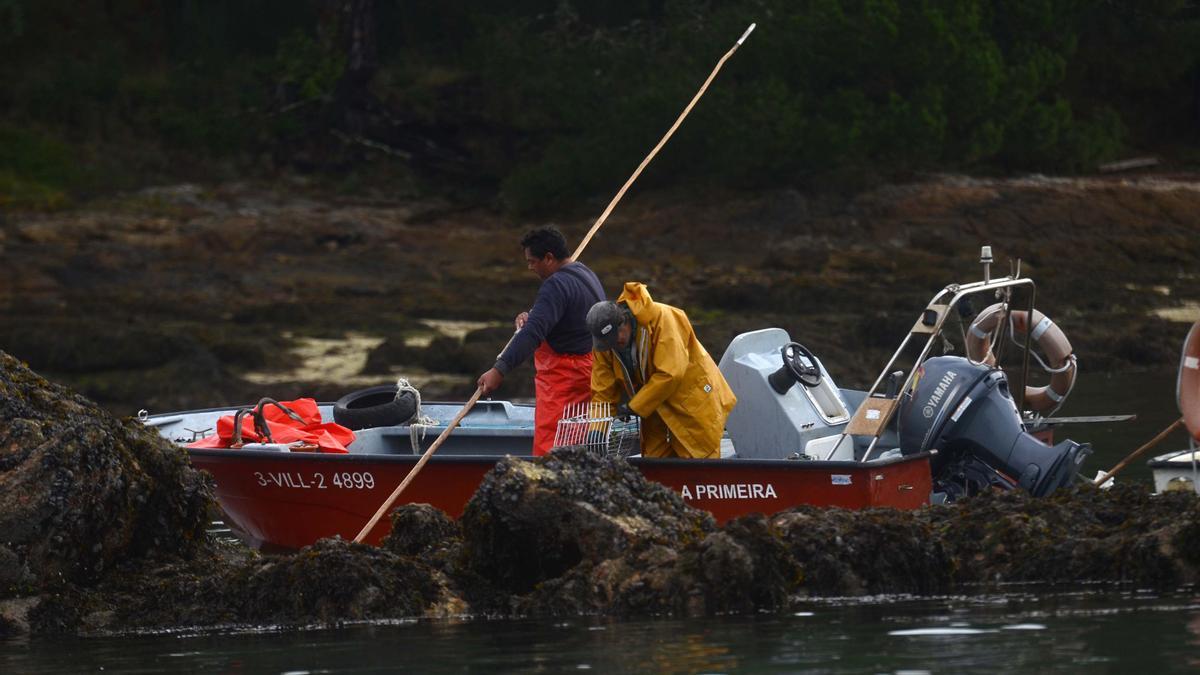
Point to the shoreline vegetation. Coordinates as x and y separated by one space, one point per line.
537 106
189 296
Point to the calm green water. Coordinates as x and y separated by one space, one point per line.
1151 396
1096 632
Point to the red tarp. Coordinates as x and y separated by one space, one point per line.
327 436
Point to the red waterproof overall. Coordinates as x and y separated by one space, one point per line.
560 379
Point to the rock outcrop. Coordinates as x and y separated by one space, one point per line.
81 491
1122 535
102 530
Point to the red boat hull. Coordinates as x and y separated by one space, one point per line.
290 500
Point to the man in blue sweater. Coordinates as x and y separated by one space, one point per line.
554 331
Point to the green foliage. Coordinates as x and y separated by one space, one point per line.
17 192
12 20
555 102
844 87
307 67
35 169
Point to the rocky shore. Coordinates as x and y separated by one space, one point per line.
193 296
102 530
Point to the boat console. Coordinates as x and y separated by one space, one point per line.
788 405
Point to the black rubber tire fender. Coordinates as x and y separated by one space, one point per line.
375 407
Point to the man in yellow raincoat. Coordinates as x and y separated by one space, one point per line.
647 353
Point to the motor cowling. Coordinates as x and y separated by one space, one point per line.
964 410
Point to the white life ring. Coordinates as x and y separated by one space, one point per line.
1187 387
1046 334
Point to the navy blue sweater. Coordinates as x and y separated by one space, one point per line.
558 316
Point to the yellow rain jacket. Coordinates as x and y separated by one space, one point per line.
675 379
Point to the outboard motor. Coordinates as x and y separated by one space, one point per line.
965 412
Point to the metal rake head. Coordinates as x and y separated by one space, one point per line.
593 426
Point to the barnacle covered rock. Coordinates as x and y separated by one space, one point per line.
81 491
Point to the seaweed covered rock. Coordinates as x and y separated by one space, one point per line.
531 521
741 568
80 491
327 583
843 552
575 533
102 529
578 533
756 563
1120 535
426 533
333 580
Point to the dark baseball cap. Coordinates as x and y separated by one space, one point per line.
603 320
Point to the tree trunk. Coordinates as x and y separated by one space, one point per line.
348 28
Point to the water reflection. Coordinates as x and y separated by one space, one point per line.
1151 396
1118 631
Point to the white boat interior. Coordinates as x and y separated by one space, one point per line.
1178 470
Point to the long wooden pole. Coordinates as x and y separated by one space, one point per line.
1133 455
621 193
420 463
582 245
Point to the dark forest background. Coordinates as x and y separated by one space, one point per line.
537 104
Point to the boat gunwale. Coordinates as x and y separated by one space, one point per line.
239 454
1174 460
320 404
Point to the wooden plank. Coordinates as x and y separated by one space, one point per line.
921 327
871 417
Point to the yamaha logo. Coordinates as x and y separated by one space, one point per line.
935 400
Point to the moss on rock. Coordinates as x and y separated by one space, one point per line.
102 530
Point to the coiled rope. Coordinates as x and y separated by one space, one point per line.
419 423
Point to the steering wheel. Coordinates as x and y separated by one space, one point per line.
801 363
